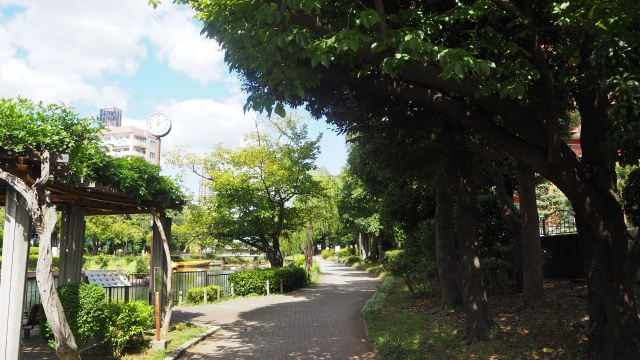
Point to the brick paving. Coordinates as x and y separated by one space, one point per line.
319 322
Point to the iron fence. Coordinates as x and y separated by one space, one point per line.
558 222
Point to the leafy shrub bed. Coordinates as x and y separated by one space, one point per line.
254 281
352 259
327 253
374 305
196 295
345 253
90 317
417 272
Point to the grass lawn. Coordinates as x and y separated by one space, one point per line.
410 328
178 335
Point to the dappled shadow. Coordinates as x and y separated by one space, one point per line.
319 322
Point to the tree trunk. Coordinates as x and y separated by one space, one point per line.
479 320
614 328
532 289
515 226
379 239
446 250
308 260
274 255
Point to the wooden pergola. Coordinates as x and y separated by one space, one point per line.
74 203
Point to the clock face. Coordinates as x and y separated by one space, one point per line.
158 124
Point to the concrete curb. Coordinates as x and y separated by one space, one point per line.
182 349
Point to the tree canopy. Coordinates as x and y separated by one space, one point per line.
254 186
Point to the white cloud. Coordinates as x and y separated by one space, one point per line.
62 50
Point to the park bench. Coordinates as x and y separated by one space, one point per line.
31 320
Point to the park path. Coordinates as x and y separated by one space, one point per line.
319 322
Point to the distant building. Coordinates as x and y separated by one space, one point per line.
130 140
111 116
203 189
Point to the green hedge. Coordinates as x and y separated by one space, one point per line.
345 253
196 295
91 317
33 262
327 253
254 281
83 306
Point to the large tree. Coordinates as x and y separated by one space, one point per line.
254 185
506 69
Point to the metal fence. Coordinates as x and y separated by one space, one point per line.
139 289
558 222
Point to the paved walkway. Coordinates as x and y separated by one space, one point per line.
319 322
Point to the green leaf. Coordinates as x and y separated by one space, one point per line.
280 111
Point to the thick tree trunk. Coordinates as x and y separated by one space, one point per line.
274 254
515 226
479 320
446 250
532 289
614 328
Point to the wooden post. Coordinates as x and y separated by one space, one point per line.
232 294
205 296
281 287
17 232
218 293
180 298
157 316
267 287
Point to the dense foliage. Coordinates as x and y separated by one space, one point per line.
631 197
83 305
30 128
196 295
254 281
126 324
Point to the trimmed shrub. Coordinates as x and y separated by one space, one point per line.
374 305
417 272
126 324
196 295
83 305
353 259
254 281
34 250
327 253
32 263
345 253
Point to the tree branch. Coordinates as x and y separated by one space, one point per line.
382 25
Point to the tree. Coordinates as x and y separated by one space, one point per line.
117 230
506 69
254 186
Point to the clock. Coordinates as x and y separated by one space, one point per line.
158 124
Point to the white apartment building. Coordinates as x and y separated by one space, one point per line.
130 140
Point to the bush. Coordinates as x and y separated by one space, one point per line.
129 259
353 259
374 305
32 263
196 295
34 250
102 261
83 305
142 266
345 253
417 272
327 253
176 257
126 324
254 281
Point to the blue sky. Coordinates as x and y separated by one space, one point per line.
94 54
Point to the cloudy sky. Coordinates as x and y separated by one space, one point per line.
93 54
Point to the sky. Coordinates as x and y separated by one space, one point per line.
93 54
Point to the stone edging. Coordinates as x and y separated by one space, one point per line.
182 349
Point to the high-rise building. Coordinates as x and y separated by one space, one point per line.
203 188
111 116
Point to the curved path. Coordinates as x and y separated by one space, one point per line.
319 322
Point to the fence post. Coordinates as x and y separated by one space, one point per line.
232 294
281 287
126 294
267 287
180 298
218 293
205 296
